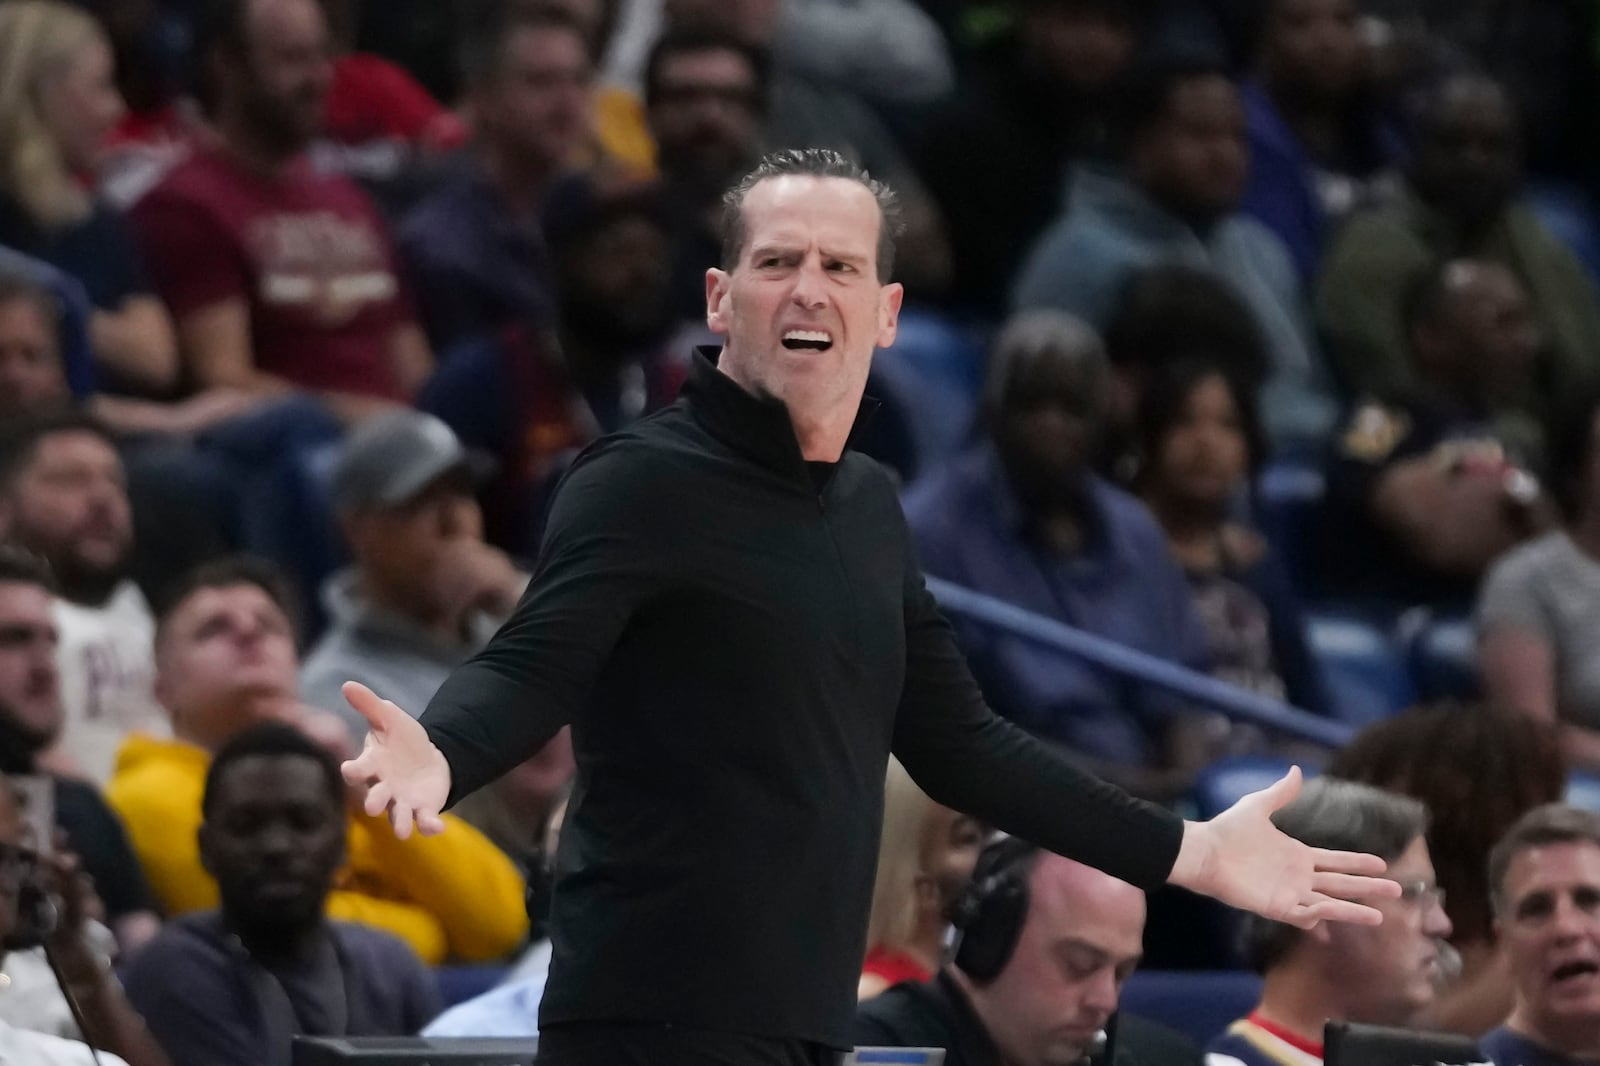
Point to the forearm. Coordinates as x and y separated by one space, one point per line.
137 343
111 1023
1581 746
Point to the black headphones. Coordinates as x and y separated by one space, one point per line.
989 914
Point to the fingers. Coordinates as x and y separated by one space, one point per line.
429 825
357 771
1339 910
1350 886
378 712
401 818
1348 862
1283 791
378 797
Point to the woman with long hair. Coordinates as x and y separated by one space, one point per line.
925 857
58 105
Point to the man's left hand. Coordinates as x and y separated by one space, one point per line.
1242 859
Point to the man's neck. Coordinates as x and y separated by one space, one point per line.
1299 1002
277 945
822 436
520 182
1578 1038
1316 122
255 152
445 628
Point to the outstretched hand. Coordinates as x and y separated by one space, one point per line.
401 769
1242 859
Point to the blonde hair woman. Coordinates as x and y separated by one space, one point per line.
925 857
58 105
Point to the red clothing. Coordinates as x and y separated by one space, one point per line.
895 967
372 99
308 253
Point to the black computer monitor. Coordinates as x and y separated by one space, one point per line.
1351 1044
413 1051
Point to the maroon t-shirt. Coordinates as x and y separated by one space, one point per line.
308 253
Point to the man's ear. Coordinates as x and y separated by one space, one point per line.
889 300
717 310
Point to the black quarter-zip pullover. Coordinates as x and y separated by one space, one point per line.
739 644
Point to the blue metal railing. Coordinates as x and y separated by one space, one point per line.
1231 700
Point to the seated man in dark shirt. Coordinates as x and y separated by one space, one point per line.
1429 485
1545 879
1046 944
1024 518
30 720
237 985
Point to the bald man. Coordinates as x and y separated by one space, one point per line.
1045 946
1432 483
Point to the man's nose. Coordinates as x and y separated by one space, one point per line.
808 286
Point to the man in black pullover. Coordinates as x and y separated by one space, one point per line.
728 611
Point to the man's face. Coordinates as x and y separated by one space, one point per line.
1085 48
1467 156
1497 338
69 505
31 375
615 283
30 697
803 309
398 548
282 84
1195 161
225 655
1313 47
1550 925
274 841
537 104
705 117
1081 939
1392 971
1047 425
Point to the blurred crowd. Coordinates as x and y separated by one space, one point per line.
1258 336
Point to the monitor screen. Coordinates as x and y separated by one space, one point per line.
1350 1044
413 1051
897 1056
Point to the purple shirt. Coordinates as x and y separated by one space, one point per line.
1125 586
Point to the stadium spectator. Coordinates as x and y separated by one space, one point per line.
1382 975
1545 876
1460 199
925 858
1175 199
237 984
1316 138
1201 445
1023 517
1045 947
474 248
59 104
63 497
1477 769
281 280
1426 487
114 1027
995 155
1537 608
226 660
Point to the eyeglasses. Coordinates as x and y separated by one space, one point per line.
1421 894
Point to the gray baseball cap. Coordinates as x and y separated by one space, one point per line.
391 458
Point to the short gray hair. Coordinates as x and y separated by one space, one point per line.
1343 816
1553 823
814 163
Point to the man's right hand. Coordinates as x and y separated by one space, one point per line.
402 771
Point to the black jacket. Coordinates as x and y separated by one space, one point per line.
738 651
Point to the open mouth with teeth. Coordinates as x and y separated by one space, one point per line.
807 340
1577 969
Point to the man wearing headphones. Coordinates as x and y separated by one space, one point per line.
1044 945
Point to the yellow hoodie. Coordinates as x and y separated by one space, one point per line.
453 896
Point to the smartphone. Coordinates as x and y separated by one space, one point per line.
36 802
